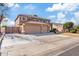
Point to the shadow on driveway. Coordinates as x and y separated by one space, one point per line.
43 34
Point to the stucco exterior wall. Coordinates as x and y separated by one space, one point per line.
17 22
58 27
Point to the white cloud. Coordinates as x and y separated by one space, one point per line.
13 5
64 7
70 7
7 22
51 16
60 15
30 7
10 23
55 7
61 21
10 4
76 17
73 20
76 14
17 5
61 18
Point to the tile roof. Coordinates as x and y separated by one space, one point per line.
35 22
32 16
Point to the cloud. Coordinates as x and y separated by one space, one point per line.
76 14
10 4
51 16
54 7
13 5
17 5
67 12
8 22
76 17
74 21
63 7
30 7
61 18
60 15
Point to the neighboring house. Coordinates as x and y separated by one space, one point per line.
58 26
32 24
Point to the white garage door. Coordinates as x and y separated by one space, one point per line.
32 28
44 28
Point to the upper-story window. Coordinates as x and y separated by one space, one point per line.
23 18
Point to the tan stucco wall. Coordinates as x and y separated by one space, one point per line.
17 22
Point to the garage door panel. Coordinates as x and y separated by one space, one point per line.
44 28
32 28
35 28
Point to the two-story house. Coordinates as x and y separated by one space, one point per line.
32 24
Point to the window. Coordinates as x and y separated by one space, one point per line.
23 18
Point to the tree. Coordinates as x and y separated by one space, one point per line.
67 26
3 10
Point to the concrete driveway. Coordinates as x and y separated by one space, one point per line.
47 44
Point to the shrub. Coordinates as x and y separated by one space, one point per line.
73 30
54 30
4 26
77 31
51 30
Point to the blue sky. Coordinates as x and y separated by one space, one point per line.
56 12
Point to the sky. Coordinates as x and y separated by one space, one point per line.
56 12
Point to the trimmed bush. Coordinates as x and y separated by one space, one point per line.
51 30
73 30
54 30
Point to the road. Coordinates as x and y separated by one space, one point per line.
72 52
